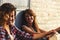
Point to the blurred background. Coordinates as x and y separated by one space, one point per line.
47 11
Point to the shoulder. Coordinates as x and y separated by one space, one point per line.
24 26
1 28
2 31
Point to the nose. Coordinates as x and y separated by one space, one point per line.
29 17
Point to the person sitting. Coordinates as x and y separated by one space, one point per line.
8 31
29 23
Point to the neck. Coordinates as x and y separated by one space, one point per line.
29 24
6 27
5 24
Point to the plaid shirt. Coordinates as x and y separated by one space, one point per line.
18 34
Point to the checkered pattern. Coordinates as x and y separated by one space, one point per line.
18 34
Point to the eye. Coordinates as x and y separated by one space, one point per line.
26 16
11 15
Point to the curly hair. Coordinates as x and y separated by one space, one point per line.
6 8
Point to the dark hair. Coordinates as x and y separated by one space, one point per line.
27 11
6 8
31 13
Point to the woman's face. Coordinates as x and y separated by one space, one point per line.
12 17
9 18
29 18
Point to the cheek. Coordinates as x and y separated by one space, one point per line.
10 18
32 18
6 18
26 19
14 18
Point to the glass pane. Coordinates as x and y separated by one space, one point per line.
20 4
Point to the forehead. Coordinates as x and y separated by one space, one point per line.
28 14
12 13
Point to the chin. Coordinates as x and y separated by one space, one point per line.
11 23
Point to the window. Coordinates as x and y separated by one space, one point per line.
20 4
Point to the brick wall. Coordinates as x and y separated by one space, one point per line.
48 13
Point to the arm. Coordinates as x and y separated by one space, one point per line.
28 30
57 29
38 29
42 30
27 36
44 34
38 35
21 35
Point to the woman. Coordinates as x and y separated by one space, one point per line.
29 23
8 30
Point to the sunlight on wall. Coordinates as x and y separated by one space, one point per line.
48 13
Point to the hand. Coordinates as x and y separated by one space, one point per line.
51 32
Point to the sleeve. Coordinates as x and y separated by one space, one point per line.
2 35
21 35
24 36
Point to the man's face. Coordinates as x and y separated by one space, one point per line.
12 17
